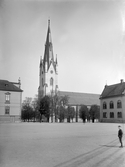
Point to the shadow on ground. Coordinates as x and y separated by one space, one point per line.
89 157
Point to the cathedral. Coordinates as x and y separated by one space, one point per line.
48 74
48 79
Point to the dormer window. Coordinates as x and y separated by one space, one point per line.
7 97
6 85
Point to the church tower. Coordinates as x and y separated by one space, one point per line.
48 75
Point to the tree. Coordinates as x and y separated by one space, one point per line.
27 110
83 112
44 107
94 112
70 113
62 103
61 114
35 108
58 105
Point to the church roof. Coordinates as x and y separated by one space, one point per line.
9 86
113 90
76 98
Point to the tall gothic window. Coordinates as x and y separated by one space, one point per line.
42 81
51 81
111 105
104 105
119 104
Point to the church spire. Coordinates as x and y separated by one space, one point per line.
48 68
48 53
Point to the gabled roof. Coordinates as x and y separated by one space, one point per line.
76 98
113 90
9 86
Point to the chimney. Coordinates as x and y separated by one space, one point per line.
122 80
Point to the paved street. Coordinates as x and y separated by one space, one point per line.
60 145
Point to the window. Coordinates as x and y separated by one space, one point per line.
111 114
119 104
111 105
51 81
7 97
104 105
7 110
119 114
104 115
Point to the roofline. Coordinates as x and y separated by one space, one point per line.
12 90
111 96
80 93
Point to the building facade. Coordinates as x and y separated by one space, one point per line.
112 103
10 101
48 74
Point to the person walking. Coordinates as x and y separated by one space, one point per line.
120 135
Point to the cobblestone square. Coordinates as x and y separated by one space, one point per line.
60 145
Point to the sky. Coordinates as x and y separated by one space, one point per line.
88 37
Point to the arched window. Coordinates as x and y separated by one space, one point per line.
104 105
119 104
51 81
111 105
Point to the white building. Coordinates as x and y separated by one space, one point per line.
112 103
10 101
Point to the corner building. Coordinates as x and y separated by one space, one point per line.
112 103
10 101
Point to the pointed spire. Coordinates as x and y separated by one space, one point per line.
40 61
56 60
49 23
48 54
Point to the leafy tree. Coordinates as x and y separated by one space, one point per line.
61 114
44 107
58 106
34 104
27 110
83 112
94 112
70 113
